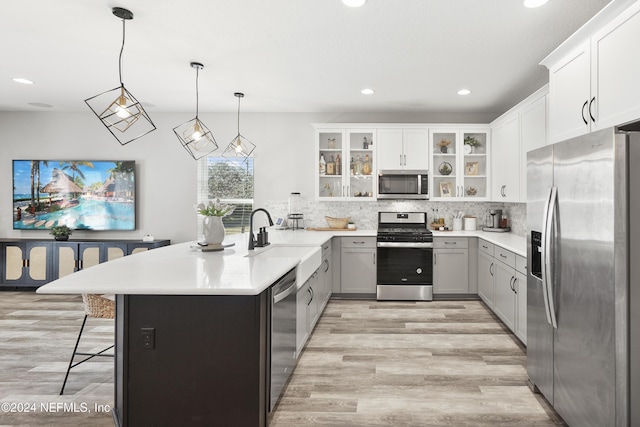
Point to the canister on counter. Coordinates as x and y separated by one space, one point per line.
470 223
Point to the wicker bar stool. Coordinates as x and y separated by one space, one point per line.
98 307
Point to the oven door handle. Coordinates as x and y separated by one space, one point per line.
417 245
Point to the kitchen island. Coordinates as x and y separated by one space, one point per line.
192 331
192 328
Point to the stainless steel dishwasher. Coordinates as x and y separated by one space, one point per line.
283 334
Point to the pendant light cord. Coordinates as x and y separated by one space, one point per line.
120 57
239 115
197 96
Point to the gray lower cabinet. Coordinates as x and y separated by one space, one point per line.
502 285
358 265
485 276
450 265
303 299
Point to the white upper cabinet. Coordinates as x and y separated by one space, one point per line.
505 176
346 164
403 149
570 93
460 163
595 85
533 135
615 70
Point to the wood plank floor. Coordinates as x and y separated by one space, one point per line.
367 364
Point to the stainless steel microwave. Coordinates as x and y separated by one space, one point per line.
403 184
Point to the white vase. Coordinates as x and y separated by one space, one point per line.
213 229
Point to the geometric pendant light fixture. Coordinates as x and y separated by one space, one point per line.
240 148
194 136
118 110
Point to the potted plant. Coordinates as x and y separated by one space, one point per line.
470 142
213 228
61 232
443 144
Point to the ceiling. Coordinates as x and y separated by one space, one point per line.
285 55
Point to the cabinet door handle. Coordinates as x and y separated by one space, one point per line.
374 258
590 113
343 193
405 160
326 261
348 191
400 159
310 296
491 269
515 288
435 259
583 107
511 283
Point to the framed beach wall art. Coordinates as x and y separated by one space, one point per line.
445 189
81 194
471 168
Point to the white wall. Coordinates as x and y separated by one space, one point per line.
166 174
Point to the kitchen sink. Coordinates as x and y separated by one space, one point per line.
310 258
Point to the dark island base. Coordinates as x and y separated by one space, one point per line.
191 360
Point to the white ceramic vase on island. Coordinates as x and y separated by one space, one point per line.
213 230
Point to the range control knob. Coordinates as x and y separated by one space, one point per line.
419 270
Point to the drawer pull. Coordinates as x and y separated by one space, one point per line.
503 256
486 247
450 243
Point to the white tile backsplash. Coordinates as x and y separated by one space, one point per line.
365 214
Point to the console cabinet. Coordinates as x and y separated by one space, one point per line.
32 262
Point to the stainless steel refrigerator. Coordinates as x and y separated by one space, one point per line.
583 302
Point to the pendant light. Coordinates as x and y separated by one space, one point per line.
194 136
239 148
124 116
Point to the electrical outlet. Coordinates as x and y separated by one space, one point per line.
148 338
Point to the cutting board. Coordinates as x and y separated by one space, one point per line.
330 229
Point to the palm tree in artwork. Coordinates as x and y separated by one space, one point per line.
74 167
35 182
122 175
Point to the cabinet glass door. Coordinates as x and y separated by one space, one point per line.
445 165
475 164
330 176
360 169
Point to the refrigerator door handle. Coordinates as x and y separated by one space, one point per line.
545 251
551 221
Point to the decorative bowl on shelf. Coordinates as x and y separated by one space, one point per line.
445 168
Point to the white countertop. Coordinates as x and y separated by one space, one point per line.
180 270
512 242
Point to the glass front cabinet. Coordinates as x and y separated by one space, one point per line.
345 160
459 164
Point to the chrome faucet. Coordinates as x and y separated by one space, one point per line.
263 240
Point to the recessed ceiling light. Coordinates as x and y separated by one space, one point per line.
464 92
534 3
40 104
354 3
21 80
367 91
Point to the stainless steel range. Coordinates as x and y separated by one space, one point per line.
405 257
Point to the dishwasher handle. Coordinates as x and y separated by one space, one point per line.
279 293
